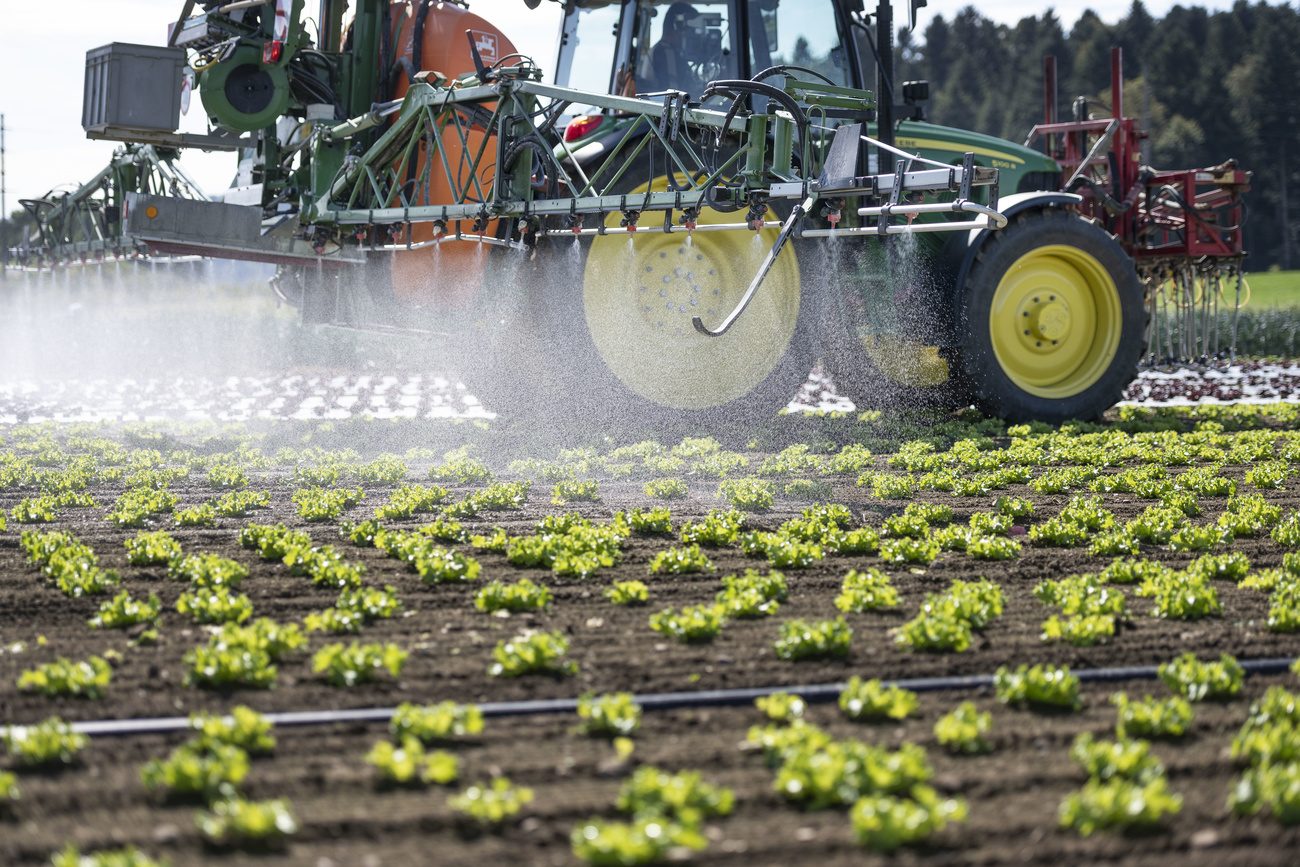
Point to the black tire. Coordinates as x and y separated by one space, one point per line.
875 363
1051 273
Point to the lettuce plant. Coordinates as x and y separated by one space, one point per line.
436 722
748 494
839 772
817 639
128 856
627 593
694 624
871 590
646 840
868 700
1118 803
885 822
49 742
781 706
680 561
122 612
85 679
523 595
243 727
1152 718
491 804
683 796
611 715
235 821
1124 759
532 653
666 489
1040 685
1188 676
718 528
213 771
401 764
152 549
752 594
963 729
654 522
357 663
215 605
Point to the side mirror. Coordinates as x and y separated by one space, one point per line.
915 91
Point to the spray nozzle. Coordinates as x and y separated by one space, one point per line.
439 228
480 224
528 226
831 211
630 219
757 216
690 219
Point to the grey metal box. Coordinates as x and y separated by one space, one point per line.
132 87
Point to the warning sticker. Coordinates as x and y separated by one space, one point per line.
486 43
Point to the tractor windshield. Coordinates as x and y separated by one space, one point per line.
588 46
642 47
682 46
803 33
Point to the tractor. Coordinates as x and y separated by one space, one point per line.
703 200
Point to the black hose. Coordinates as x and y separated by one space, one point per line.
824 692
782 68
1112 206
538 146
417 43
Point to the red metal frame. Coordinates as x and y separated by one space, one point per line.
1189 214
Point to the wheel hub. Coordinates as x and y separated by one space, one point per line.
677 284
1055 321
1045 320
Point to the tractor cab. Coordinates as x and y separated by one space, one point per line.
658 46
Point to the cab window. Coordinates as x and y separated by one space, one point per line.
803 33
587 47
682 46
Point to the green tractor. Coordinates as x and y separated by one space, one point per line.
1044 319
702 201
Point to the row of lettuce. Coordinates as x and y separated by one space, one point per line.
887 793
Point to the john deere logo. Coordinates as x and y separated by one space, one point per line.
486 43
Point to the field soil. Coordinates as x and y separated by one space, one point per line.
348 819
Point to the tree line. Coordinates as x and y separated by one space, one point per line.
1207 86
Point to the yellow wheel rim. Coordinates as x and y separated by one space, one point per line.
1055 321
639 294
906 362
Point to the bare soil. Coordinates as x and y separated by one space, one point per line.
1013 793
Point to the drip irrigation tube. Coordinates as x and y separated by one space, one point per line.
823 692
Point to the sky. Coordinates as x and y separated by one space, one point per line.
42 62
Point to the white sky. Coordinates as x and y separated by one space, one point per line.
42 60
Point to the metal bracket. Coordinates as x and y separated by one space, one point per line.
796 214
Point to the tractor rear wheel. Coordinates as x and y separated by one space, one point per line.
1055 320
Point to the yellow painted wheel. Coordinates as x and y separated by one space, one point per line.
1055 321
639 294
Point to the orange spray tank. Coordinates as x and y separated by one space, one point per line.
446 276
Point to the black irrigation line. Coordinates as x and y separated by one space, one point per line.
651 701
